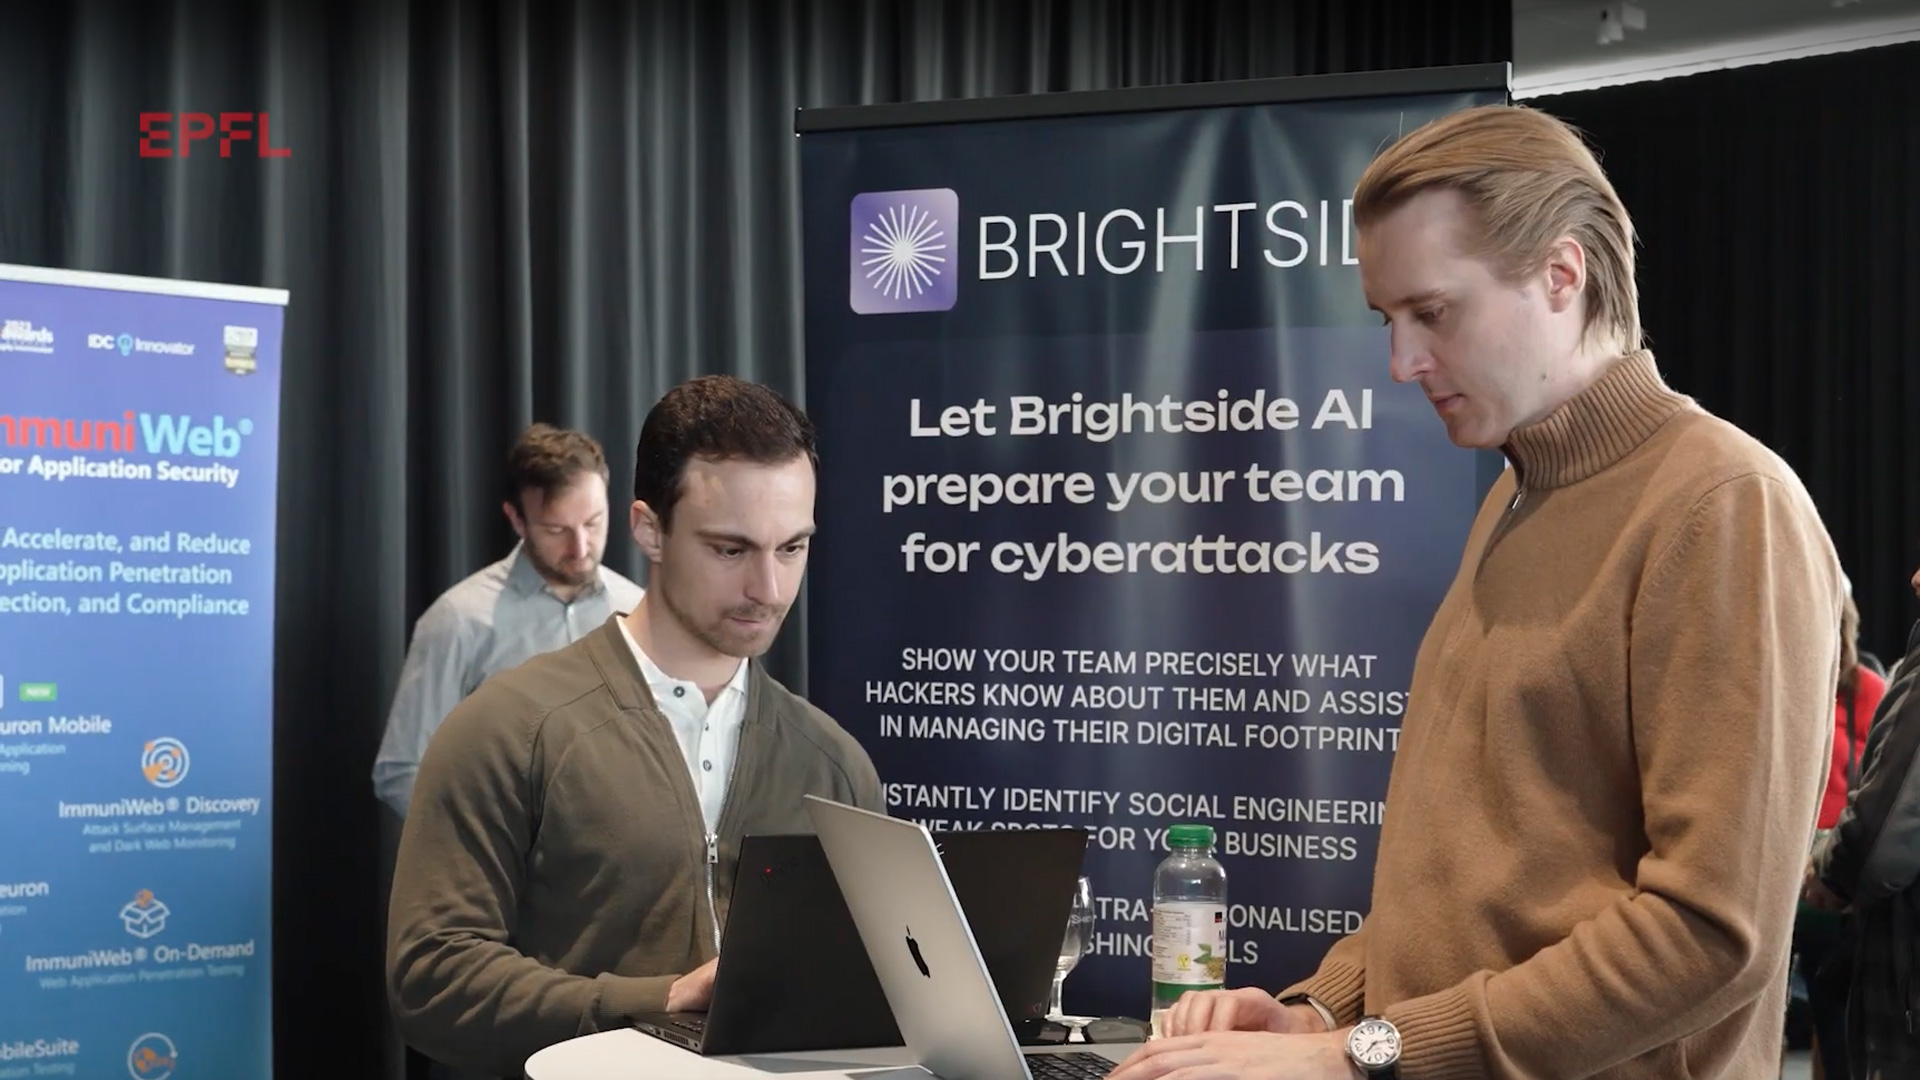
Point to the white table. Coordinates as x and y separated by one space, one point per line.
628 1055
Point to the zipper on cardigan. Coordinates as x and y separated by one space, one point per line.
1506 518
713 839
713 907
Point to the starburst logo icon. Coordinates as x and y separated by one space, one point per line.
902 251
902 255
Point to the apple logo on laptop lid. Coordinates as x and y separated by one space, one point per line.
918 960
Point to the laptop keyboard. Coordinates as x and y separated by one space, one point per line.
1068 1066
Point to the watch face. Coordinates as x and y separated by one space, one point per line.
1374 1044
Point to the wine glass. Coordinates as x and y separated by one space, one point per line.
1077 943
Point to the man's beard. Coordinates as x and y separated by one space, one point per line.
720 636
563 578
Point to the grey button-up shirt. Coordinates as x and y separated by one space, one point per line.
495 619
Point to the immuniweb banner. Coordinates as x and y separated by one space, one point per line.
1123 522
138 458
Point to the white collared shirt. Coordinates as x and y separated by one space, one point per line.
709 734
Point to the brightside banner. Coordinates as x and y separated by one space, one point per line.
1123 522
139 444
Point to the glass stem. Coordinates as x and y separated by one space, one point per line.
1058 1010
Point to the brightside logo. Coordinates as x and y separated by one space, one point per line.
152 433
901 247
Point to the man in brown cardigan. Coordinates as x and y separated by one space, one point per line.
571 845
1616 737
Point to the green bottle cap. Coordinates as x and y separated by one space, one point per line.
1190 836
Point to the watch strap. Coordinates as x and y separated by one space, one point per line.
1326 1014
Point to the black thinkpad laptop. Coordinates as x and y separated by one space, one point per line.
794 976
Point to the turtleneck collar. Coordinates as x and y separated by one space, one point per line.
1597 427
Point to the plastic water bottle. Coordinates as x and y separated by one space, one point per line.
1189 919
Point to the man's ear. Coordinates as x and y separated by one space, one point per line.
513 518
1566 273
647 533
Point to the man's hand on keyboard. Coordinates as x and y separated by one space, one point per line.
1246 1009
693 991
1241 1055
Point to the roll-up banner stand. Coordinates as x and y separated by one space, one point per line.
1122 521
139 452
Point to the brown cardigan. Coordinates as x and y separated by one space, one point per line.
552 874
1613 752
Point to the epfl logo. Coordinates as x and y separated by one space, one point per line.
124 342
900 249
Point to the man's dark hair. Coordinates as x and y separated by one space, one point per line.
548 459
719 418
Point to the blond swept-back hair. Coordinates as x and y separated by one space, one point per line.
1529 179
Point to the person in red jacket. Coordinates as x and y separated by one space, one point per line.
1821 937
1860 693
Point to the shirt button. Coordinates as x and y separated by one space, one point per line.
707 765
679 691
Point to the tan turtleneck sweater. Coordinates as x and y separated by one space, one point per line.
1611 760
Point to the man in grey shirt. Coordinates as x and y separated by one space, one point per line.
546 593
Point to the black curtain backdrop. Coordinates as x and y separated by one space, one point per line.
497 212
1780 278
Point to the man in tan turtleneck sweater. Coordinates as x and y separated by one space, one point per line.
1615 743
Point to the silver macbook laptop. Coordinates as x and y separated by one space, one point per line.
930 969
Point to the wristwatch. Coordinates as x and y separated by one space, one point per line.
1326 1014
1373 1046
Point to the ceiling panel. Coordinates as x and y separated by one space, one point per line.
1550 35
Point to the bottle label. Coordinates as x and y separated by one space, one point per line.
1189 948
